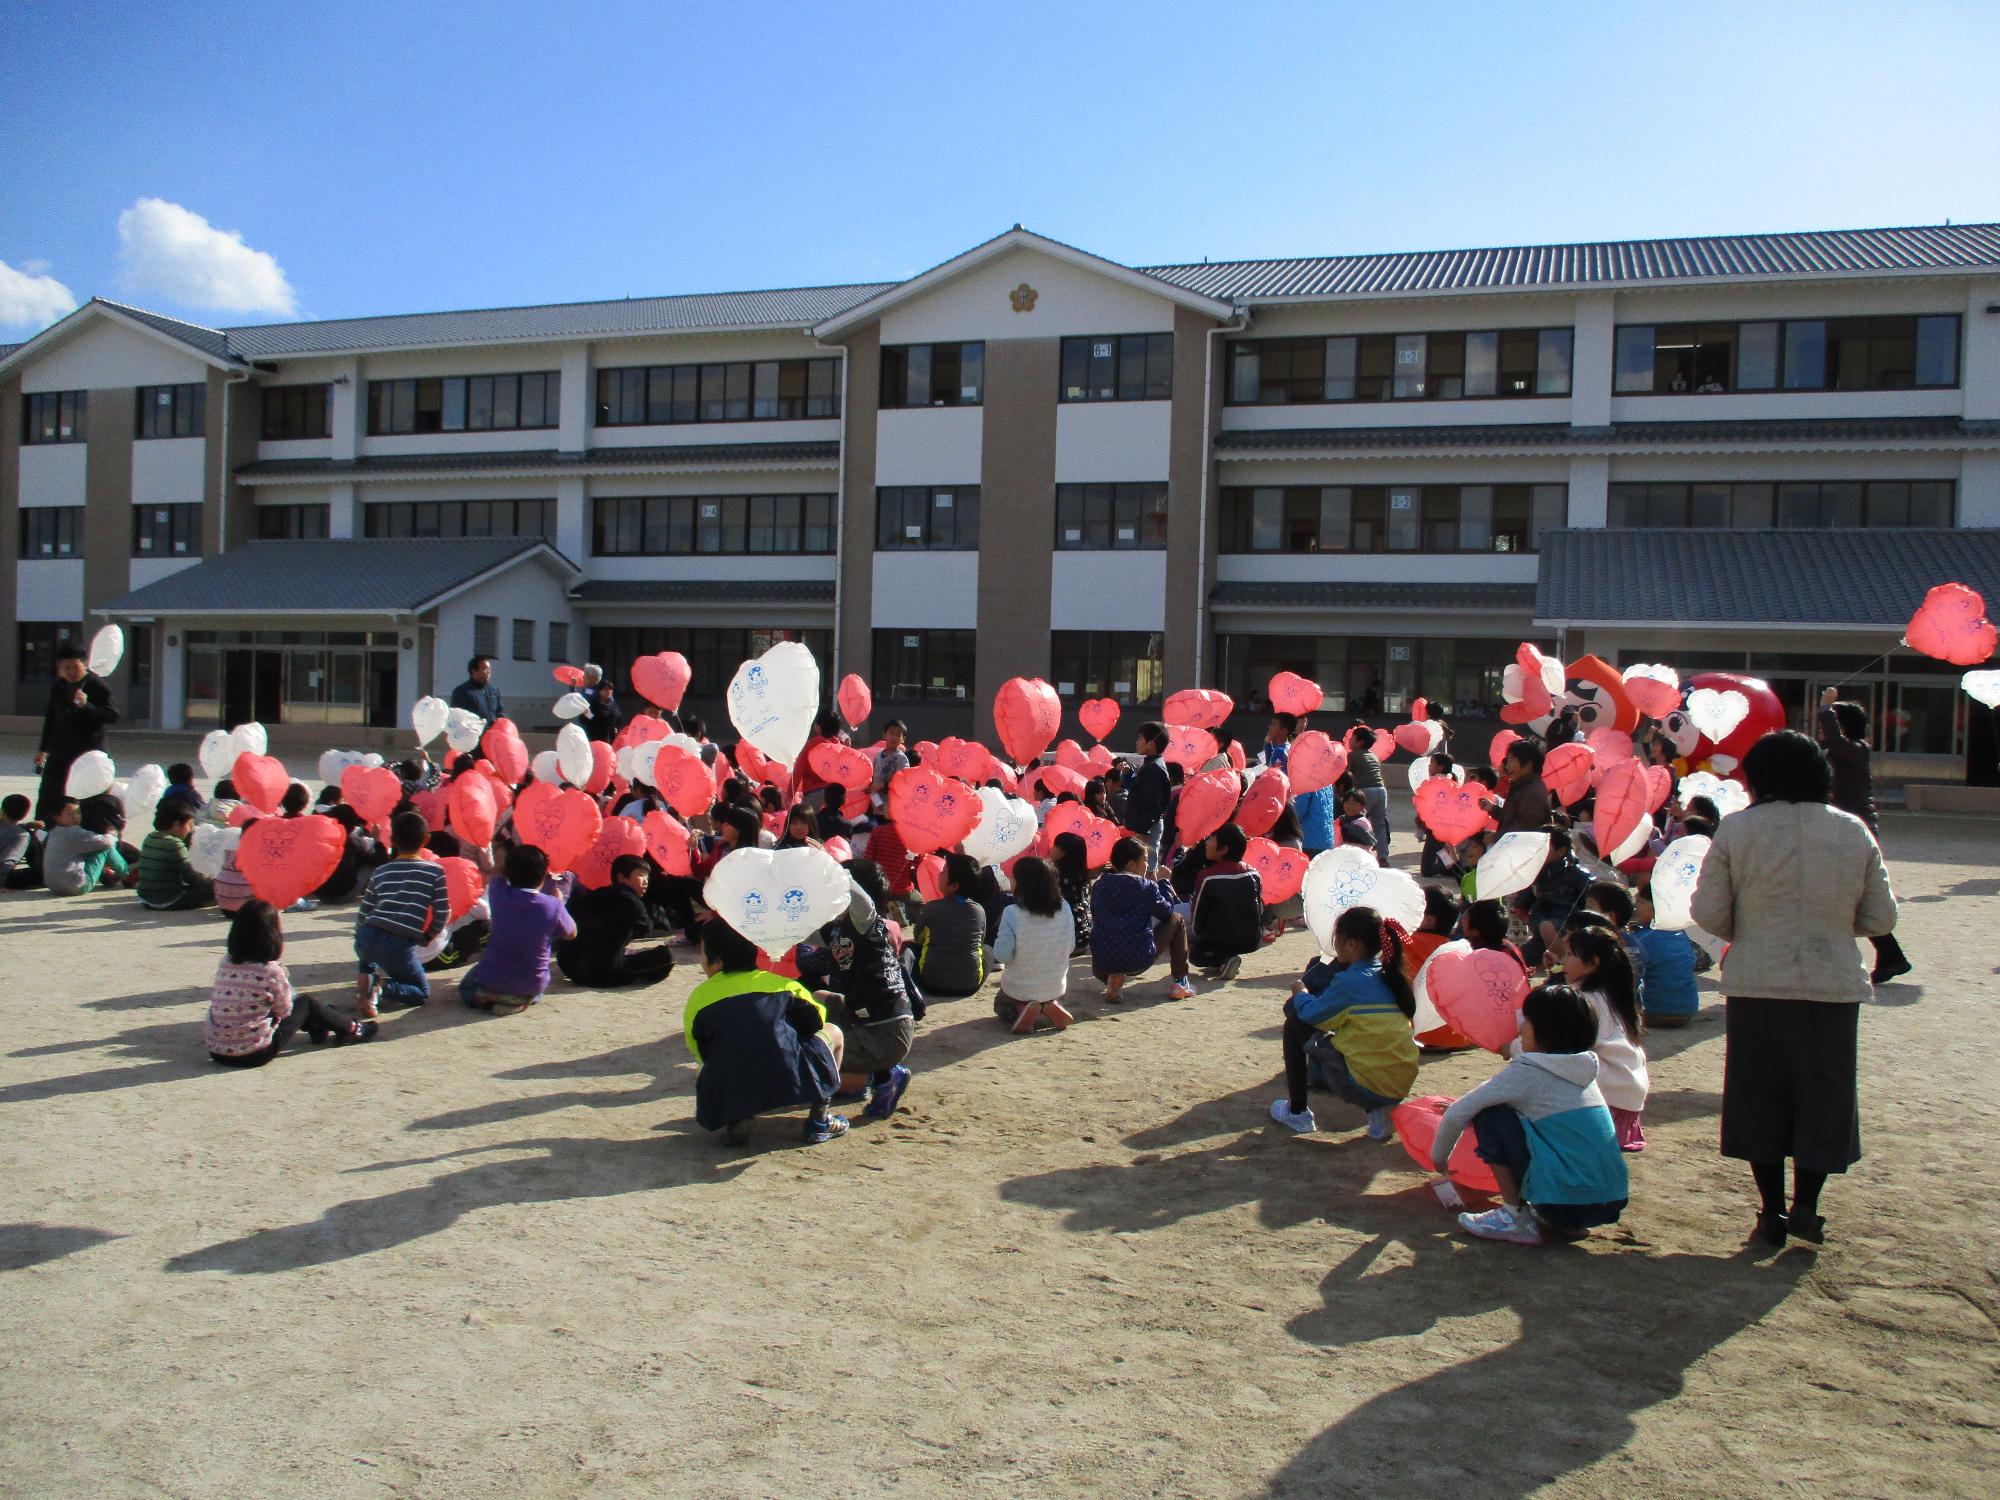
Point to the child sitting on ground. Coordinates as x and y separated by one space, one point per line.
1071 857
1132 919
405 901
949 937
1355 829
21 844
1036 938
77 858
1543 1127
167 881
180 790
1612 901
252 1011
527 914
1669 997
607 920
1353 1034
1226 917
1597 967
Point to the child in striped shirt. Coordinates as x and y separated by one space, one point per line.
406 900
252 1011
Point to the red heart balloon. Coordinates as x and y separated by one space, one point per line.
1567 770
1100 836
261 781
560 821
1480 993
1412 737
569 676
473 808
1417 1121
372 791
639 730
1383 745
1620 807
284 859
1316 761
1659 787
931 811
667 842
1066 817
930 877
1293 694
1207 800
854 700
1189 746
968 760
840 764
1199 708
662 678
615 836
1281 870
1069 754
1496 752
1265 801
1451 810
603 766
684 780
1652 697
463 884
1607 745
1055 780
1099 716
1027 713
502 744
430 806
1951 625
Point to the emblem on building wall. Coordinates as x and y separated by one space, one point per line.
1023 297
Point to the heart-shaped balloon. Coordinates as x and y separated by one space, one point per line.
1420 772
1066 817
1055 780
1189 747
1339 878
1414 737
615 836
333 764
261 781
1265 801
1099 716
929 876
667 843
1607 745
968 760
143 793
503 746
1479 992
92 773
1417 1122
643 729
463 729
285 859
546 768
1026 715
473 809
372 791
842 765
430 806
1982 687
931 811
1006 826
1100 837
427 718
1654 688
571 706
1281 870
1069 754
1199 708
1659 787
1716 714
777 898
1619 815
210 848
1511 864
1950 625
1496 751
854 700
568 676
1383 745
107 649
217 754
1316 761
250 739
1674 876
662 679
1450 809
682 778
562 823
463 885
1293 694
573 757
1728 796
773 700
1206 803
1567 771
603 762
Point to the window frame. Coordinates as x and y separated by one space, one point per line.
288 413
445 397
58 528
399 519
1677 498
677 395
1368 365
185 407
42 410
1112 649
304 521
182 530
523 640
960 499
897 359
1797 339
673 525
1082 502
1366 520
1149 350
960 647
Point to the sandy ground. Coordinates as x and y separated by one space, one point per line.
494 1257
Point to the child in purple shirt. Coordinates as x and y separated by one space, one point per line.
529 914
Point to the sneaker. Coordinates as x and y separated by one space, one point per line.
1379 1128
304 903
1301 1123
1232 968
1515 1226
883 1098
1181 989
825 1128
364 1031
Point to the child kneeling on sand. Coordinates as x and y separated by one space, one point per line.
1037 935
528 915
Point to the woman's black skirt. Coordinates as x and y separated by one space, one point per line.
1788 1086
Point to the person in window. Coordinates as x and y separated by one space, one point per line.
79 709
1710 387
477 694
1680 384
604 718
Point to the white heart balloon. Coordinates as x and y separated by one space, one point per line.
217 754
143 793
1347 876
573 755
211 847
777 898
1983 686
332 763
372 761
1555 677
427 718
572 706
1427 1017
1006 826
249 739
1728 796
1675 875
644 759
107 649
1420 772
90 774
1716 714
773 699
1653 671
1510 865
463 730
546 768
621 760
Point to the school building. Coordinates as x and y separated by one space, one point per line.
1383 471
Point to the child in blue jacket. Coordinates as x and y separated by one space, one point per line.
1353 1032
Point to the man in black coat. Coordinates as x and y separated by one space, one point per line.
79 708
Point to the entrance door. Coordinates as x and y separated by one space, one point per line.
239 675
382 689
270 687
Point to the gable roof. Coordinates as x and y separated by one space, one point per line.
208 344
1838 579
356 575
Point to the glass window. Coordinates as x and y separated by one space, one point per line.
1931 502
1408 381
1245 387
277 523
51 532
1805 355
1475 518
1552 362
170 410
1447 365
1115 516
916 518
461 403
295 411
524 640
1403 519
1520 352
1892 353
166 531
52 417
1120 664
1757 357
1634 359
933 375
506 401
1937 351
764 389
1482 364
1374 366
485 635
918 666
558 640
1340 370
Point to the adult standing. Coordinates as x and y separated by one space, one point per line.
477 694
1367 773
603 720
1843 734
1789 883
79 709
1527 808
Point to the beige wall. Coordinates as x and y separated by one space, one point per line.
862 396
1017 516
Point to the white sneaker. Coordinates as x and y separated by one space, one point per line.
1515 1226
1302 1122
1233 967
1181 989
1379 1128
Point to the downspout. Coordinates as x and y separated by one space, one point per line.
839 496
1236 324
222 499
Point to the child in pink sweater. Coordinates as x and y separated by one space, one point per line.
252 1011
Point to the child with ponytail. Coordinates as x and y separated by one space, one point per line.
1354 1032
1598 967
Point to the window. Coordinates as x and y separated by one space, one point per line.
931 666
465 403
1392 518
933 375
1400 367
35 662
52 417
1372 675
1802 354
295 411
171 410
1118 367
1817 503
558 640
524 640
291 523
714 525
713 654
448 518
166 531
1121 664
1118 516
51 531
915 518
485 635
764 391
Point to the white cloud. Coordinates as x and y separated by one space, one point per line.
176 253
30 299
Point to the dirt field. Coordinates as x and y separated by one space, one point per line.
494 1257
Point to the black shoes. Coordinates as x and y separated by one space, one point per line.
1888 971
1771 1229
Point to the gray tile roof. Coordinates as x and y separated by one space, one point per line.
596 461
1867 579
1430 597
725 593
1242 442
210 341
365 575
1816 253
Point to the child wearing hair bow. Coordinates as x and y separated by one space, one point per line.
1352 1032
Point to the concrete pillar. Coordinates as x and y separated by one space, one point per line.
1979 372
343 511
1589 490
172 669
1017 516
578 395
573 514
1190 545
10 526
347 410
1979 490
861 396
1592 360
107 508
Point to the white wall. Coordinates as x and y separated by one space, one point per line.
53 473
168 471
926 590
1108 591
1069 300
529 591
106 354
1979 357
1784 405
1112 441
147 570
929 445
1979 490
49 590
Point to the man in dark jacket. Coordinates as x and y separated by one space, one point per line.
607 919
1226 919
1843 732
1148 794
1527 808
477 694
78 711
605 718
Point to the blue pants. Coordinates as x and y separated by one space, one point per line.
1326 1068
394 957
1503 1142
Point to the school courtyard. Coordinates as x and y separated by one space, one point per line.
485 1257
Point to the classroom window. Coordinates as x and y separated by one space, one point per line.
771 390
930 666
1818 504
455 518
485 635
292 523
1455 366
1123 664
713 654
1118 367
713 525
933 375
51 531
1392 518
295 411
1371 675
937 518
35 662
166 531
171 410
465 403
558 640
524 640
1798 354
52 417
1121 517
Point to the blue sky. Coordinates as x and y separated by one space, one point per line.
379 158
